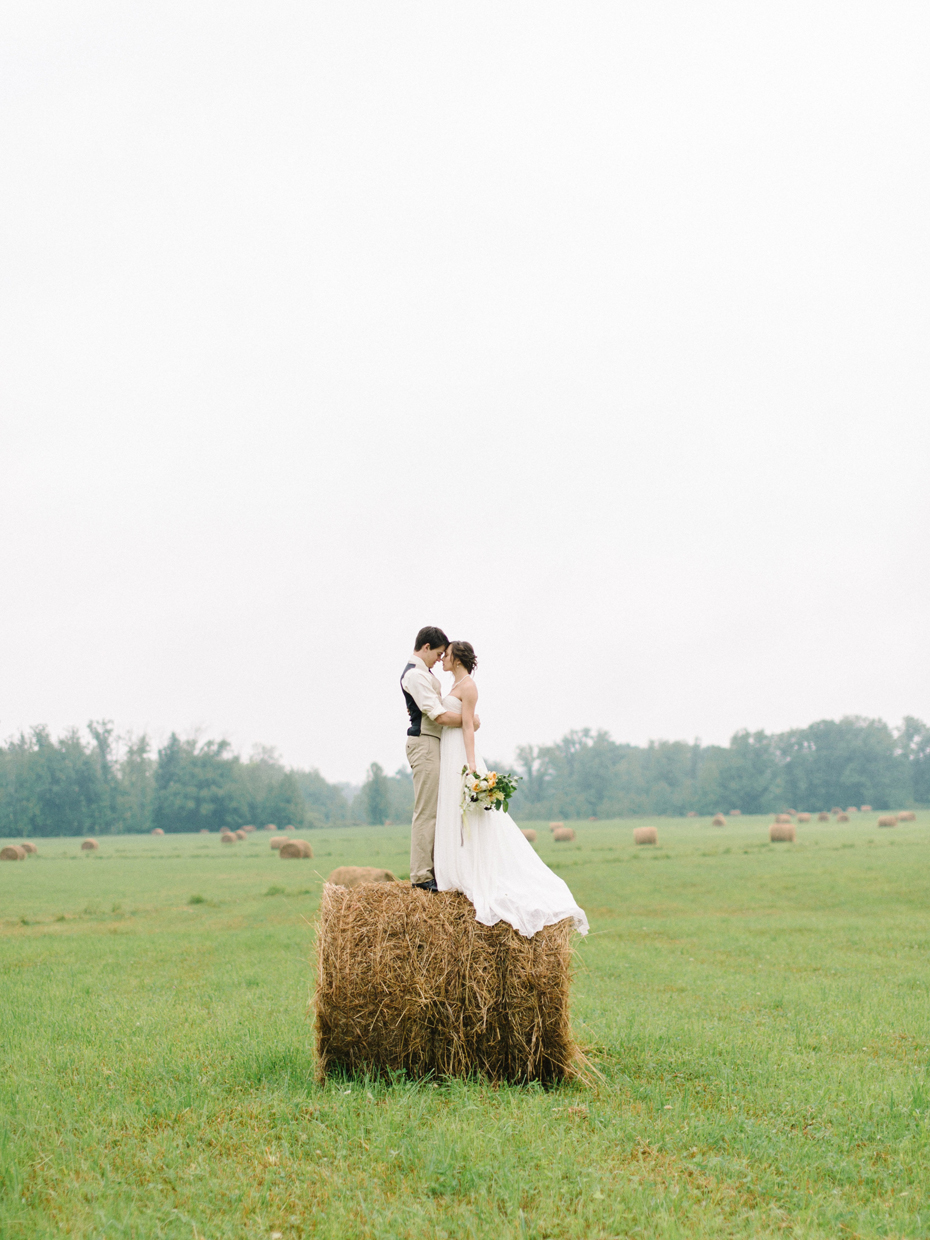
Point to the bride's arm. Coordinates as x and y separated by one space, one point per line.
469 701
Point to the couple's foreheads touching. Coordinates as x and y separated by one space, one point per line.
432 645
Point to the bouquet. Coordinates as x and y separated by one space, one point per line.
490 791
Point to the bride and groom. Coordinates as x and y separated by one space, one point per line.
483 854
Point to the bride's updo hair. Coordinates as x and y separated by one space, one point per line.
465 653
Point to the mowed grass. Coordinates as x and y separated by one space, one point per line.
758 1015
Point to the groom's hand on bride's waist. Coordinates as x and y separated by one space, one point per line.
452 719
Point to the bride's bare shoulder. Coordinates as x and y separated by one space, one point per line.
469 689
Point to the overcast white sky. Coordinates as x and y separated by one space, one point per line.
596 333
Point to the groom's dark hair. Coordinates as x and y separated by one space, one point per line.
432 637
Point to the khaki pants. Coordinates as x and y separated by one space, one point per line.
423 756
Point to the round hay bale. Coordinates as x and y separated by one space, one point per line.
204 831
276 841
269 826
293 850
736 813
28 845
529 834
804 817
842 818
227 837
89 845
355 875
852 809
782 818
411 982
563 834
865 809
781 833
645 835
692 813
157 831
792 812
247 829
837 809
12 852
823 816
888 820
718 820
554 826
907 815
239 835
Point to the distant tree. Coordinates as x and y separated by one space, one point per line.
270 793
749 774
843 762
325 803
136 787
912 744
197 785
376 795
51 788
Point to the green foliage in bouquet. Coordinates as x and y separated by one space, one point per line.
492 790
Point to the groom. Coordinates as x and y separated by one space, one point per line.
428 716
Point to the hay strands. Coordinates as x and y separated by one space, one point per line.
409 982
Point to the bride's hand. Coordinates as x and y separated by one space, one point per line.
477 723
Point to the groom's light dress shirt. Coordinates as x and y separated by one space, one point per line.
426 691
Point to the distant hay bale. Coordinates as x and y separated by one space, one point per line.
248 829
269 826
645 835
837 809
28 845
907 815
204 830
157 831
781 833
529 834
865 809
852 809
409 981
563 833
718 820
353 875
804 817
12 852
227 837
593 818
293 850
554 826
276 841
888 820
823 816
782 817
736 813
89 845
239 835
842 818
692 813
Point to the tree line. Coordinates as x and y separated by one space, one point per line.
99 783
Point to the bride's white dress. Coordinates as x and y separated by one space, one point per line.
488 858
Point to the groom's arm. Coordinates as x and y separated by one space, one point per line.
420 688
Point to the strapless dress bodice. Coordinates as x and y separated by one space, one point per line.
452 703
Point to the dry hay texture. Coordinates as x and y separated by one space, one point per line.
353 875
157 831
239 835
409 981
781 833
865 809
563 833
782 817
907 815
736 813
293 850
12 852
529 834
888 821
842 818
89 845
823 816
28 845
276 841
804 817
227 838
645 835
718 820
554 826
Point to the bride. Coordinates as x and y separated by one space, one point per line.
485 855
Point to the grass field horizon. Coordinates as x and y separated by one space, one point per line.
756 1013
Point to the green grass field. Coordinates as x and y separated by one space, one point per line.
758 1014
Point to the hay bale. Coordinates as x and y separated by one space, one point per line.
157 831
907 815
781 833
804 817
837 809
792 812
692 813
247 829
292 850
563 834
645 835
28 845
204 831
409 981
353 875
276 841
782 817
718 820
842 818
554 826
239 835
736 813
529 834
227 837
852 809
89 845
888 820
865 809
823 816
12 852
269 826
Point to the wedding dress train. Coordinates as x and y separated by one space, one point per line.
488 858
